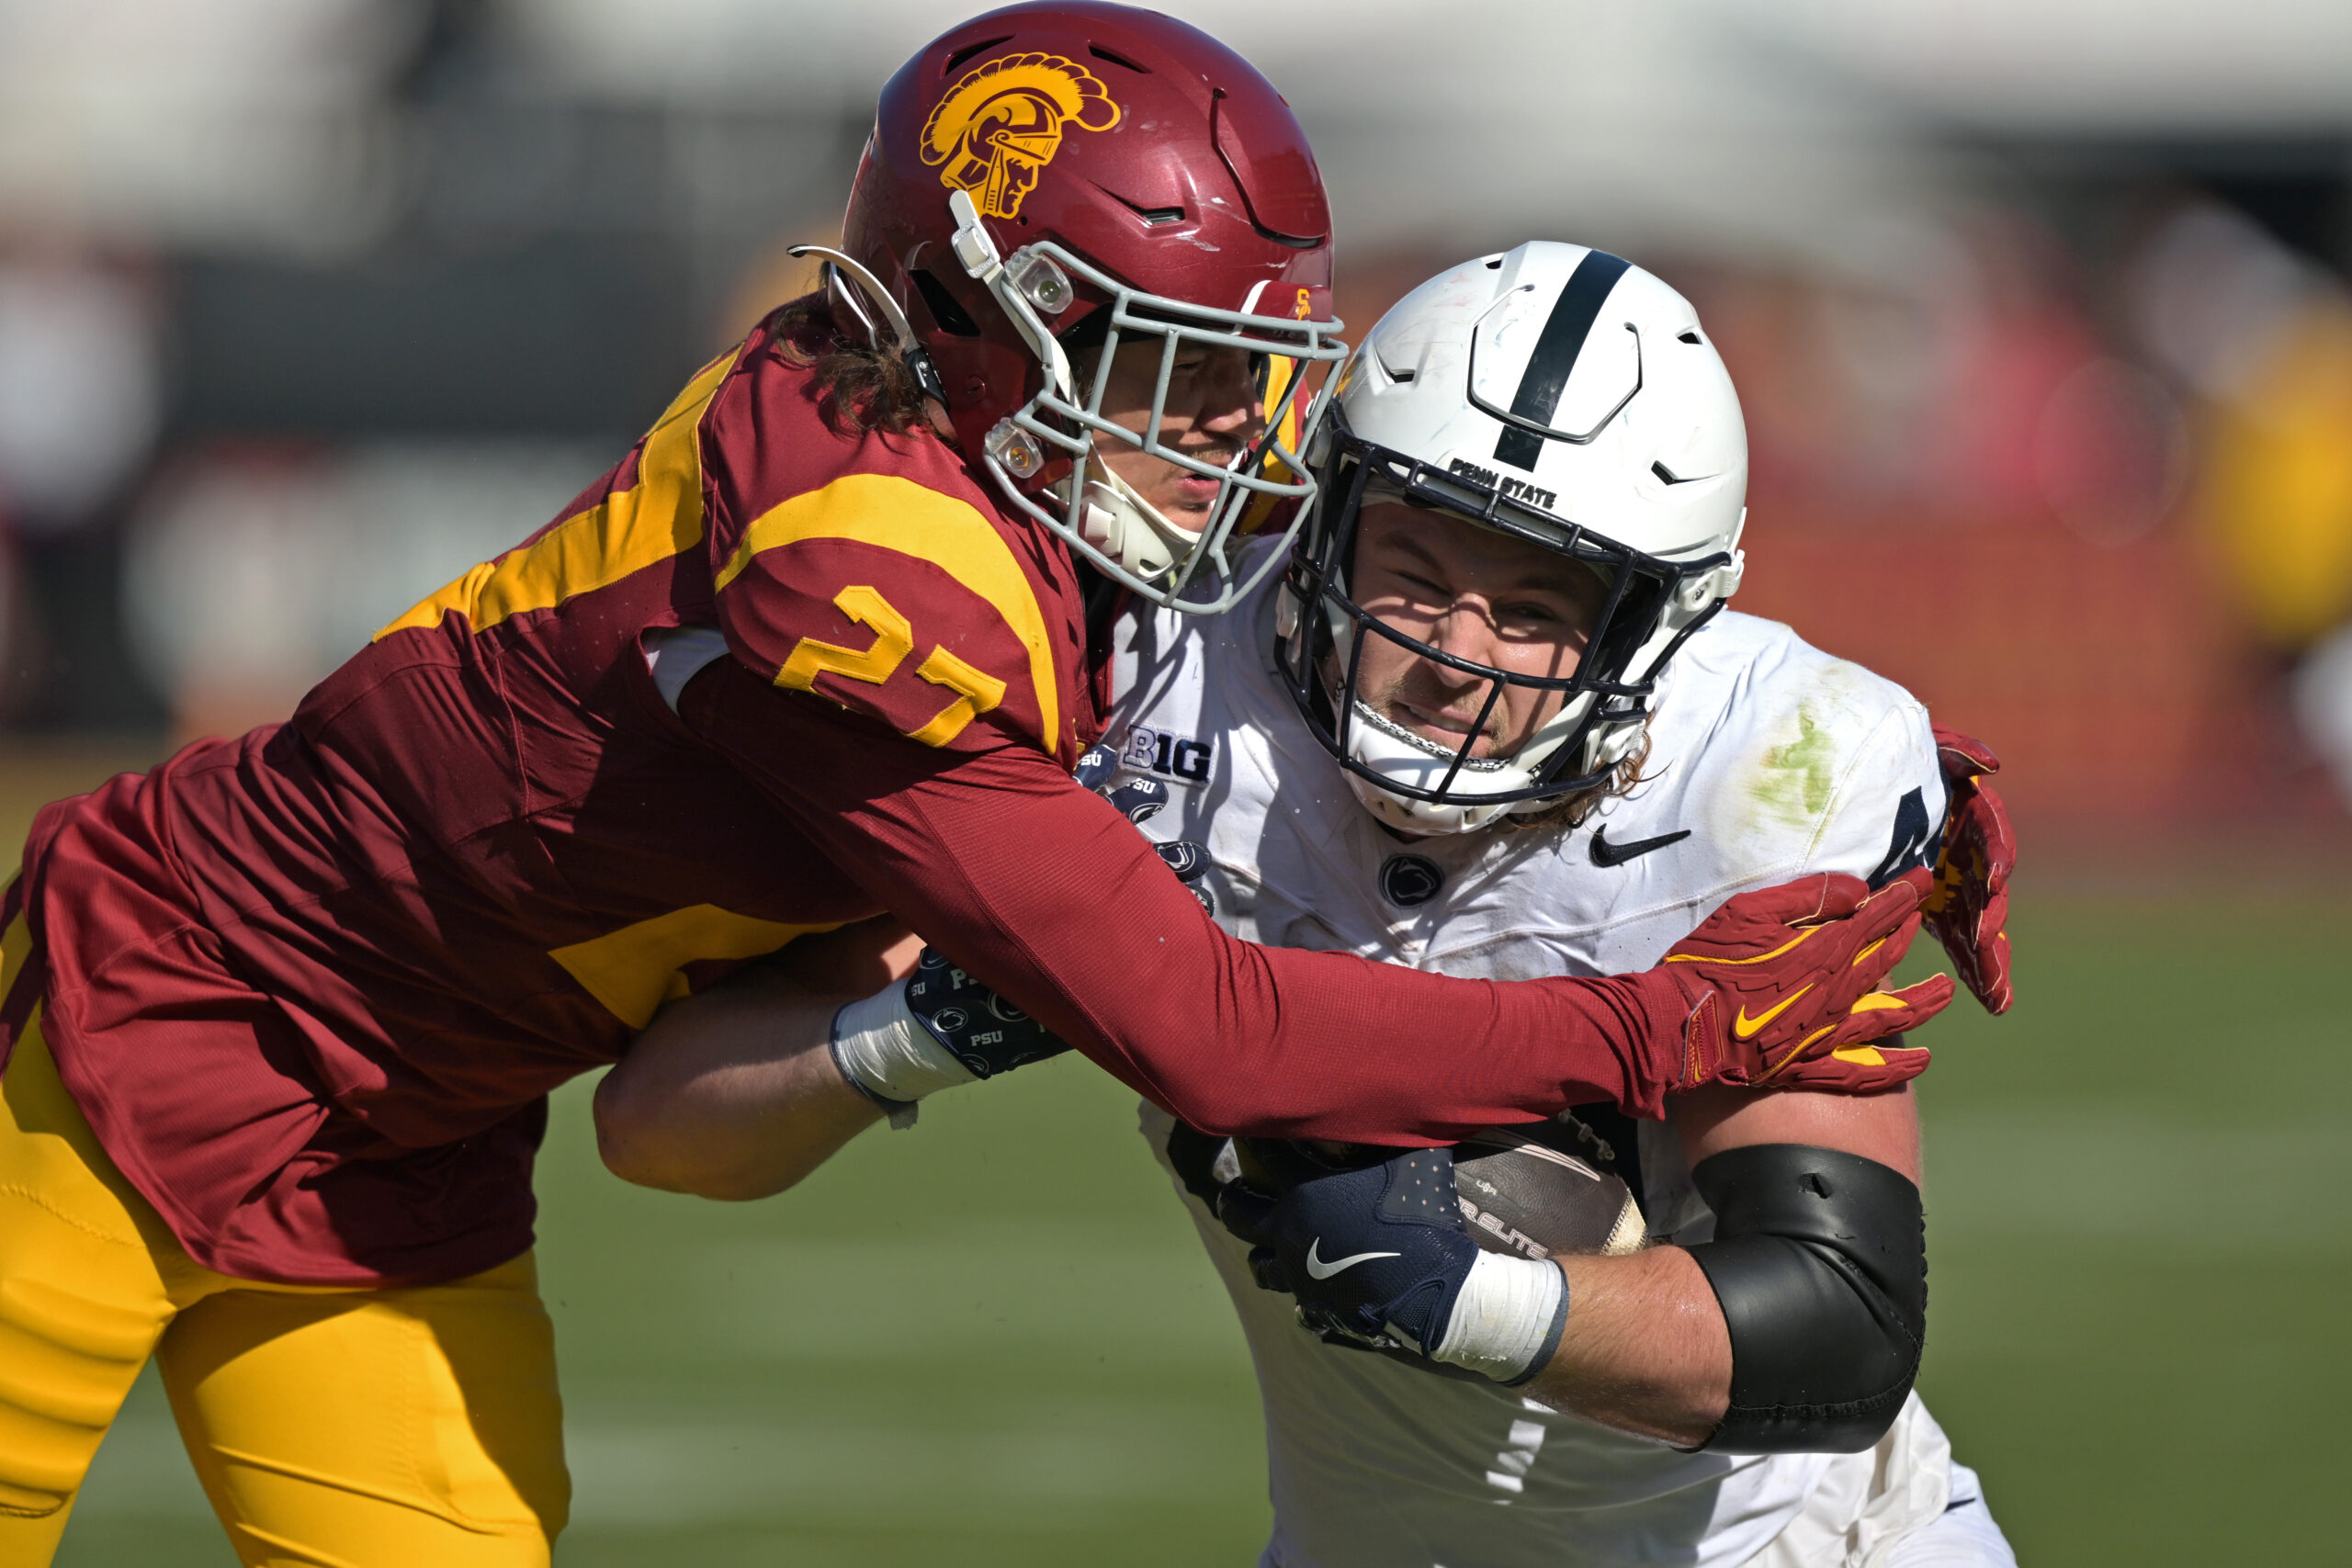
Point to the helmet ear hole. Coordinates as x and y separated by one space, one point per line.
950 316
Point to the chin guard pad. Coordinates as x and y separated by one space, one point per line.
1820 1264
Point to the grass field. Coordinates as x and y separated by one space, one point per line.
991 1340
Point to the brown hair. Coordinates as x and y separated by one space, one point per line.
861 387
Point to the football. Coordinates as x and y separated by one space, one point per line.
1529 1190
1543 1187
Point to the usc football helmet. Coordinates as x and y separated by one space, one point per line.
1050 179
1562 397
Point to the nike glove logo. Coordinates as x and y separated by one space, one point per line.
1745 1027
1318 1270
1606 853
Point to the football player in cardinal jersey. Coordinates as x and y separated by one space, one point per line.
1492 721
280 1016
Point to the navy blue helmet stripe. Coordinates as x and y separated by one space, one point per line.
1556 348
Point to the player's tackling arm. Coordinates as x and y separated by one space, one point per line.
1034 883
1645 1348
732 1094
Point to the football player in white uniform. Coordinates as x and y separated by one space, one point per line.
1554 755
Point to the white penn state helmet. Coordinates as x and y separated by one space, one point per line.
1562 396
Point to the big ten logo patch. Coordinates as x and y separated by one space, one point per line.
1170 756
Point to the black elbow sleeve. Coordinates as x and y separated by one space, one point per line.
1820 1264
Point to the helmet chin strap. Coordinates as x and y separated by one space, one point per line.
1127 527
1393 752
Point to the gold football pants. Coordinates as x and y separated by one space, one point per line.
383 1429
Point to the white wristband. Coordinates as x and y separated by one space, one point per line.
1507 1317
881 1048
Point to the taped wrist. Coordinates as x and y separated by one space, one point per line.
887 1056
1820 1265
1507 1318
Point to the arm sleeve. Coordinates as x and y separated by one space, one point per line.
998 857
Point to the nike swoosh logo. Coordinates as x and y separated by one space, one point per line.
1745 1027
1317 1269
1606 853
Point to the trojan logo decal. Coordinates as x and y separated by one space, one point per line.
997 128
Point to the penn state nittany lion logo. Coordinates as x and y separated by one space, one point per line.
999 125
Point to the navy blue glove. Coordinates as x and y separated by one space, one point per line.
1377 1253
1377 1256
980 1029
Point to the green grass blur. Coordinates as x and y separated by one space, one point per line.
993 1341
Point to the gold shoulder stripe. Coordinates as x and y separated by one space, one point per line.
634 970
658 517
898 514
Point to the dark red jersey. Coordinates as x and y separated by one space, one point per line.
311 985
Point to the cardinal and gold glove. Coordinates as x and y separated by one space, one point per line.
1969 911
1783 986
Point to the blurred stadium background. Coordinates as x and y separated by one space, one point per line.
2040 315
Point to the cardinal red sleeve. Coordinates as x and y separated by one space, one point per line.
1042 888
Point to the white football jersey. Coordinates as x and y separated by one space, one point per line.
1767 759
